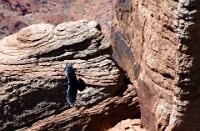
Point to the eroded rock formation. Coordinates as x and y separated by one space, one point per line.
186 99
156 42
101 116
33 81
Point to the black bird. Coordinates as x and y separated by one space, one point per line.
72 85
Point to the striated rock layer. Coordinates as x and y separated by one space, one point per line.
33 81
156 42
100 117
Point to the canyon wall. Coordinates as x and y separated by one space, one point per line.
156 42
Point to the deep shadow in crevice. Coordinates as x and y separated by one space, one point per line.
61 50
126 82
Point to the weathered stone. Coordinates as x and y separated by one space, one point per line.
128 125
184 114
148 43
98 117
33 81
156 42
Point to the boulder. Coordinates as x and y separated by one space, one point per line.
32 74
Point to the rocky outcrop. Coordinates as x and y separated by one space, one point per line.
15 15
33 81
156 42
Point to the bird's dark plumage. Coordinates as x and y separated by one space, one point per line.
72 85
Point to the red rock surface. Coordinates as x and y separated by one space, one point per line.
128 125
157 43
15 14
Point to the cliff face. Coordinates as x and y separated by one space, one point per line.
156 42
186 93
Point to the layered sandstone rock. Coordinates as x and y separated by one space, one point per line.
33 82
156 42
101 116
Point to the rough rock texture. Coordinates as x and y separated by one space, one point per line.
100 117
33 81
185 113
128 125
145 36
156 42
15 14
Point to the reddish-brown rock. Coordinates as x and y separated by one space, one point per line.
99 117
33 82
156 42
15 14
128 125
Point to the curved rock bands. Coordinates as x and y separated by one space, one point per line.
46 39
147 30
164 40
32 76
